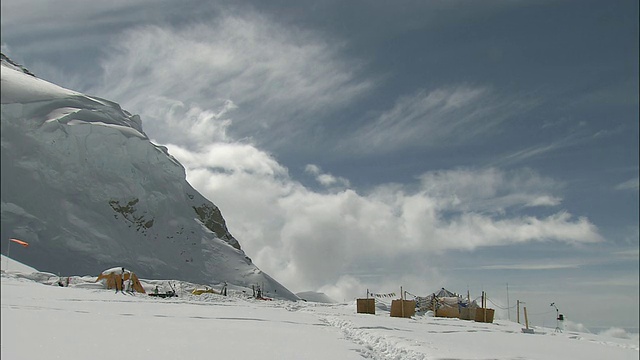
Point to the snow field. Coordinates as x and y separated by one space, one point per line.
41 320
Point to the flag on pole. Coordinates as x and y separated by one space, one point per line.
23 243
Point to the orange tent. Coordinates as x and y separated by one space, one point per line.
23 243
117 278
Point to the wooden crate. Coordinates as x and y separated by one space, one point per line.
480 315
366 306
467 313
397 308
448 312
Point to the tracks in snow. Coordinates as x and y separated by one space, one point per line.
375 347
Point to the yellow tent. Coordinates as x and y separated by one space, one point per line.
204 291
117 278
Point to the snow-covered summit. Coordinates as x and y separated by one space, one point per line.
5 61
18 88
82 183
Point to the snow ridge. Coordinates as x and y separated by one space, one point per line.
4 60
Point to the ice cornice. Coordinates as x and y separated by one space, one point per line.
57 104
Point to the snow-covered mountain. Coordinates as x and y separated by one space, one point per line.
84 186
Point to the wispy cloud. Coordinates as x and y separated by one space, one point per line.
277 78
444 116
529 153
626 281
578 134
532 267
628 254
632 184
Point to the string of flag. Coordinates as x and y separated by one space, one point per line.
389 295
408 293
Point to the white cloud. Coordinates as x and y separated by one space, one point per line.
630 282
230 158
190 126
325 179
628 254
66 14
490 190
312 169
275 77
444 116
310 240
529 267
632 184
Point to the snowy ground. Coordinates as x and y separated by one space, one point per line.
41 320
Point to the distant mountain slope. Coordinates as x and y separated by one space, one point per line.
82 183
316 297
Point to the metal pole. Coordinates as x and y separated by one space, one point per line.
8 251
518 317
508 308
484 307
402 301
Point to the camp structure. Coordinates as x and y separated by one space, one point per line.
207 290
366 306
482 313
445 303
119 278
403 308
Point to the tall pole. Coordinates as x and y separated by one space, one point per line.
508 308
518 316
484 307
8 250
402 301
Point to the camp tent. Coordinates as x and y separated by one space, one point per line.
116 278
447 303
207 290
444 293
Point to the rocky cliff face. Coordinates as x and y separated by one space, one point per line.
82 183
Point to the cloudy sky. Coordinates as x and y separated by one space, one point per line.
357 145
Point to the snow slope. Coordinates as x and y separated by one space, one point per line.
84 186
82 321
315 297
